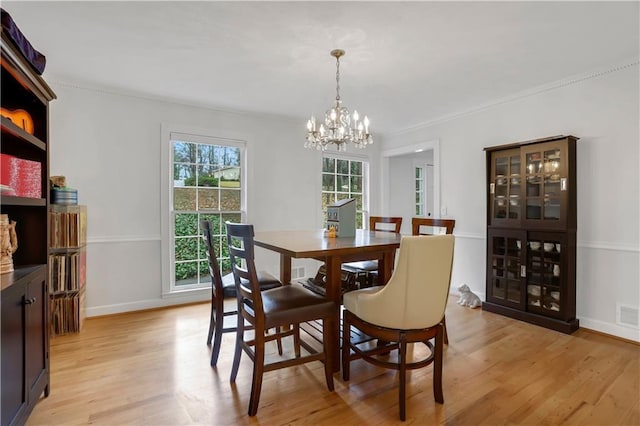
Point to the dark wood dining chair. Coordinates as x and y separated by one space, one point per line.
369 268
408 309
429 226
282 308
221 287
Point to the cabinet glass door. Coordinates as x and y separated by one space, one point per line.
505 268
505 186
544 274
545 184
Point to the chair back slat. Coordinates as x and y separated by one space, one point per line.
242 254
384 223
214 267
417 224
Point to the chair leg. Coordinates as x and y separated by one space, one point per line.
402 355
328 350
444 326
279 340
346 348
238 350
296 339
437 367
218 324
258 371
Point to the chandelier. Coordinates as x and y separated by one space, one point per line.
337 128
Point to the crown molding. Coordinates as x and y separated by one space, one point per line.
578 78
166 99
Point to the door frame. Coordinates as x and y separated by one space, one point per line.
385 156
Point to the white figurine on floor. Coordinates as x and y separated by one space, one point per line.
467 297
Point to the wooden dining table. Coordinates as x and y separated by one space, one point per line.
365 245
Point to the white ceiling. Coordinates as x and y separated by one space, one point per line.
407 63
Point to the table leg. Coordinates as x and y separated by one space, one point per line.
285 269
385 268
333 265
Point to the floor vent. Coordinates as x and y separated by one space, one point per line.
628 315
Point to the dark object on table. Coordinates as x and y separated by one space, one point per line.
36 59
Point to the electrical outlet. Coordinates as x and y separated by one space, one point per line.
443 211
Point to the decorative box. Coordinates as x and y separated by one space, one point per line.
23 177
66 196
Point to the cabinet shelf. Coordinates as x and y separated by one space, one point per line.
12 200
9 128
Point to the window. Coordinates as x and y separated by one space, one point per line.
344 178
420 191
207 183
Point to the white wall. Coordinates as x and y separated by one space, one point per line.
603 111
108 146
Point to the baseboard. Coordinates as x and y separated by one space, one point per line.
142 305
614 330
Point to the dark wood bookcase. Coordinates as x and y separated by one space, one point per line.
531 232
25 317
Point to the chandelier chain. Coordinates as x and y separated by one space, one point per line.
337 78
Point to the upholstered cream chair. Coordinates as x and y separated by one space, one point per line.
409 309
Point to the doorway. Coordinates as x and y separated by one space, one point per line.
400 183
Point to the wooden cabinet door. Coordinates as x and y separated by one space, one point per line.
505 182
36 338
13 352
545 185
547 273
505 274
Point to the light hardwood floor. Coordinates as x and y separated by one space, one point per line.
153 368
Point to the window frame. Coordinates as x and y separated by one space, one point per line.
200 136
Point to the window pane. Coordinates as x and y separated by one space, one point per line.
206 153
184 199
214 219
328 182
207 176
186 248
184 152
229 177
230 217
342 167
356 168
343 184
356 183
229 200
358 199
208 198
327 199
184 175
227 156
186 273
186 224
418 172
328 165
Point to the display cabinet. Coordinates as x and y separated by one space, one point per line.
531 232
24 199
